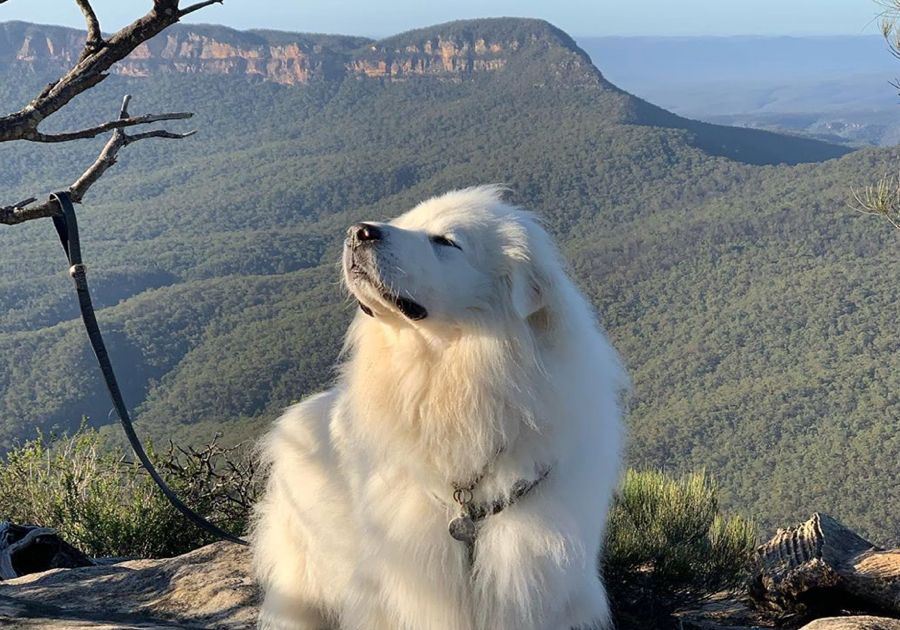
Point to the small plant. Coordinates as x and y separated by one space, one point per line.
106 505
669 546
881 199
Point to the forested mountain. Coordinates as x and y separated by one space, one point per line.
754 310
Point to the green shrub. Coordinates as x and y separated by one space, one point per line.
668 545
106 505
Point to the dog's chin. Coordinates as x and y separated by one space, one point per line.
372 299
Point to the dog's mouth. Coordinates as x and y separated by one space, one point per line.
358 273
412 310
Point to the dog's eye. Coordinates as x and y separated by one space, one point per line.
443 241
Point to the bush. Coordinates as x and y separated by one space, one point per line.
106 505
668 545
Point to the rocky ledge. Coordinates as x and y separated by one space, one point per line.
208 588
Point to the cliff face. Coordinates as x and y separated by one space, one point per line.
437 56
189 51
453 52
32 44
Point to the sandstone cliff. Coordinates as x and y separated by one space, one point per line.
453 51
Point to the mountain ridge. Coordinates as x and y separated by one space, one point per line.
452 50
530 52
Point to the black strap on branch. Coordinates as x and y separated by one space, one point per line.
67 228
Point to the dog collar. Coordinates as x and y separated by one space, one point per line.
464 526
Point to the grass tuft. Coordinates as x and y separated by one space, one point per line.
670 547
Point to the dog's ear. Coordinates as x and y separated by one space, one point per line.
528 250
525 290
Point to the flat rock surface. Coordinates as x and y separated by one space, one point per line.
854 623
208 588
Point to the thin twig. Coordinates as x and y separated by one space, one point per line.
160 133
24 211
197 7
92 132
91 67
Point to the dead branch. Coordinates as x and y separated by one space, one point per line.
107 126
94 41
92 66
24 211
98 56
198 6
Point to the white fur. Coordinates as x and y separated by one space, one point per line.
352 530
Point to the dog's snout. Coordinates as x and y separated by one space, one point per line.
363 232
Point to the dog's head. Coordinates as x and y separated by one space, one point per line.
459 259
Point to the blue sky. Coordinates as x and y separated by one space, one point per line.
578 17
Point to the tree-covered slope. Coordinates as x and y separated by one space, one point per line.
754 311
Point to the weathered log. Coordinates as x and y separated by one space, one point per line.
27 549
821 567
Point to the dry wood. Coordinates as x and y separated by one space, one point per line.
822 565
94 41
98 56
121 123
25 211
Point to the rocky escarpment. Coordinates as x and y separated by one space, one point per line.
453 51
207 588
214 50
435 56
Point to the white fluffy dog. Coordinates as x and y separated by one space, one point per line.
477 388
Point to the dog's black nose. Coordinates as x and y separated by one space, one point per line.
365 232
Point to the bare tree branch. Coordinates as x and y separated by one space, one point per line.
24 211
161 133
198 6
94 39
98 56
107 126
91 68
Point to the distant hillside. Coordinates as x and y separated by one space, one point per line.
754 311
523 50
833 88
640 62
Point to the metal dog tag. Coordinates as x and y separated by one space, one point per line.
462 528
